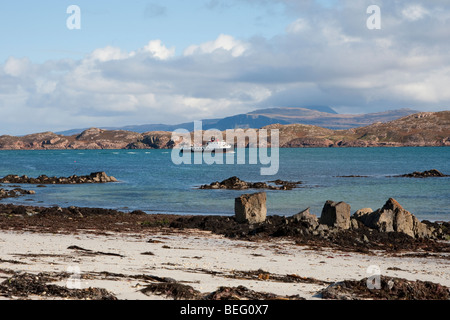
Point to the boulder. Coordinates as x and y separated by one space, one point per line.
251 208
306 218
101 177
393 217
336 214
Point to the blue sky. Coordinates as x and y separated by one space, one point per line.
37 29
154 61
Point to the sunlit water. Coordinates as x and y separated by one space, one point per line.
150 181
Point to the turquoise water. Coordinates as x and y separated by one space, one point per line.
150 181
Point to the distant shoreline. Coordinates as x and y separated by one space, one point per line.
420 129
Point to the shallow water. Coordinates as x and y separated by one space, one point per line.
150 181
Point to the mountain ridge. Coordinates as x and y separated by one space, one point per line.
420 129
320 116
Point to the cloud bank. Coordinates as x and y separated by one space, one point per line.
326 56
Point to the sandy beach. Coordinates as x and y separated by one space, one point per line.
125 263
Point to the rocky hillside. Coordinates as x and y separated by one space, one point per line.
420 129
89 139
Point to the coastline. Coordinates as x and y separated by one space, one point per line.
124 253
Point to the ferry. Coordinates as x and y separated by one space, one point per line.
214 145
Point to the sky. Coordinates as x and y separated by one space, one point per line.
154 61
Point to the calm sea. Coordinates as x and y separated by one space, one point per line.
150 181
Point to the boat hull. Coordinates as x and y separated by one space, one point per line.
223 150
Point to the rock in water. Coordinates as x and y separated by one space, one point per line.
95 177
424 174
336 214
251 208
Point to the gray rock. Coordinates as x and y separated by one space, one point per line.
354 224
393 217
251 208
336 215
310 220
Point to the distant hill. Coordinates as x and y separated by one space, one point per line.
321 116
330 120
420 129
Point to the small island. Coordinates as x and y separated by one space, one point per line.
235 183
95 177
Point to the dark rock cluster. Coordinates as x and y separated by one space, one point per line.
237 184
424 174
17 192
95 177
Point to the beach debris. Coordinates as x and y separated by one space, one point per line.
243 293
424 174
24 285
91 252
251 208
389 289
179 291
95 177
237 184
336 214
175 290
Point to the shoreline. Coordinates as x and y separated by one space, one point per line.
125 253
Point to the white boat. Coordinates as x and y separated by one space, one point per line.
213 146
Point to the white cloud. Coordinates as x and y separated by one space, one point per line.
158 50
225 42
16 67
108 54
297 26
414 12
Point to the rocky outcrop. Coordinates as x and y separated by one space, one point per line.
17 192
237 184
153 140
307 219
393 217
336 214
95 177
424 174
92 138
251 208
308 143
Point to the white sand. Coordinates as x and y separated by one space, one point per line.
193 252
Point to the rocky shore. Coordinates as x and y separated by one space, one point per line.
250 255
95 177
277 258
237 184
16 192
365 230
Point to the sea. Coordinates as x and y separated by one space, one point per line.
149 180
